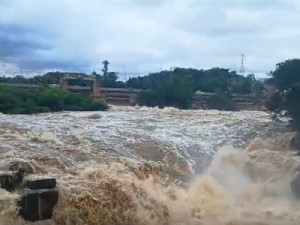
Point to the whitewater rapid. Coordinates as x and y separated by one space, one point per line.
155 166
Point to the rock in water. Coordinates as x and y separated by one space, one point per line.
295 186
6 181
295 142
10 181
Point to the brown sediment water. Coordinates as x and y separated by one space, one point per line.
155 166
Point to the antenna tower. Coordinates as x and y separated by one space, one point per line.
242 69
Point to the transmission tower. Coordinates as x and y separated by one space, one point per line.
242 69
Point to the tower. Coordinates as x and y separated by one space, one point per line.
242 68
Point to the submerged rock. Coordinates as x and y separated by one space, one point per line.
295 186
6 181
94 116
17 164
295 142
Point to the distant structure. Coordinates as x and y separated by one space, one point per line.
89 84
243 102
242 69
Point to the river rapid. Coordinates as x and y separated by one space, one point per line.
148 166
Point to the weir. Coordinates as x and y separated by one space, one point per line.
243 102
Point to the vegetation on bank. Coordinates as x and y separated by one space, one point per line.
286 96
169 88
176 88
16 101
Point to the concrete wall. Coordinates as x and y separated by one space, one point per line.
244 102
120 96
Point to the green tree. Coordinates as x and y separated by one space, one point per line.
286 78
105 67
287 74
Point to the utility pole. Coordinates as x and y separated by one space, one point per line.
242 68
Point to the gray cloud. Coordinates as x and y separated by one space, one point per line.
37 64
20 44
147 35
14 43
14 48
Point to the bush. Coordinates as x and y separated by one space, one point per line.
97 105
13 101
221 101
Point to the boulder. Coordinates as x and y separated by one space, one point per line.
10 181
295 186
17 164
38 205
6 181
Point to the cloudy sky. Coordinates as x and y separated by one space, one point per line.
141 36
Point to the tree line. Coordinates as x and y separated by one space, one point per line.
169 88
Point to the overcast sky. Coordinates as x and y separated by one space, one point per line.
147 35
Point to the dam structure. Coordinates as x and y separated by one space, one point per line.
128 96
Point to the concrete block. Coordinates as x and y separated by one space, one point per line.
41 184
38 205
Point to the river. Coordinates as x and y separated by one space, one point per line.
138 165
